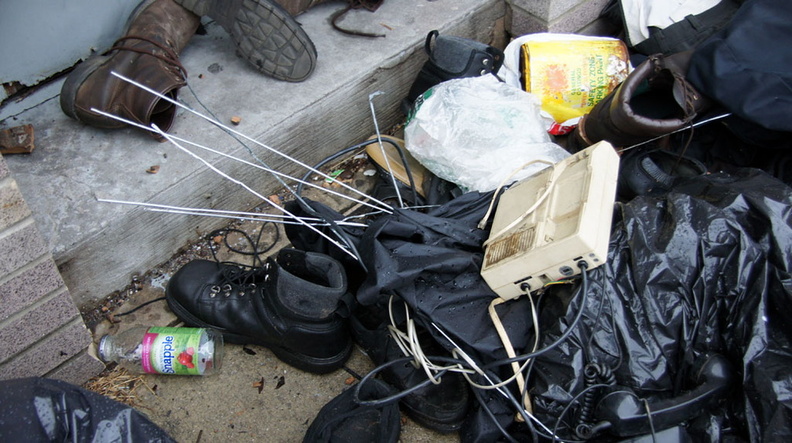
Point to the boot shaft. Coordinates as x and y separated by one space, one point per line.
161 21
653 101
147 53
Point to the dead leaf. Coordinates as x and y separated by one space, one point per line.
153 169
236 120
259 384
275 199
349 380
281 382
248 351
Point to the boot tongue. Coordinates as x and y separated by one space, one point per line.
309 288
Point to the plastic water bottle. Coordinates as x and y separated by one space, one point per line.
162 350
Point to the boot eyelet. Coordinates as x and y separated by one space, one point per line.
213 291
266 278
483 72
485 62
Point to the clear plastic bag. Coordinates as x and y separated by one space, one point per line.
477 132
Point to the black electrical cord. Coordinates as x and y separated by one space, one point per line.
353 148
398 396
340 233
406 165
255 250
138 307
569 405
572 327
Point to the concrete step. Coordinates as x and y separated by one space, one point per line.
98 246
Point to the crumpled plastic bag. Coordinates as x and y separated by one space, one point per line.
477 132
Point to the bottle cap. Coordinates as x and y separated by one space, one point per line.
102 343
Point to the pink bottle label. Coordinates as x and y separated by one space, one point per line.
148 341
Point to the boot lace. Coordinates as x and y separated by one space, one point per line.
371 5
170 56
240 278
244 278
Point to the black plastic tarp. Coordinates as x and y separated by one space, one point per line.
701 271
433 262
40 409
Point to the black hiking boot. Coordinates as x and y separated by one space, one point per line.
293 305
344 419
441 407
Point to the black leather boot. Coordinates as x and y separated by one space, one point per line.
452 57
653 101
654 172
442 407
293 305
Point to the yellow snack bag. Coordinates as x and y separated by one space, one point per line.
570 74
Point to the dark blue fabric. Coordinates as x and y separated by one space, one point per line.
747 66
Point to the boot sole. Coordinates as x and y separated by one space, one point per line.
265 34
304 362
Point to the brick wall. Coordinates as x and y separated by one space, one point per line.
41 330
557 16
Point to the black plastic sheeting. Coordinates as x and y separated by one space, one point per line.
433 262
41 409
700 272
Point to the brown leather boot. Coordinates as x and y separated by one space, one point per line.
148 53
653 101
265 33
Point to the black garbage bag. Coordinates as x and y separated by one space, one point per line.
432 262
687 320
40 409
